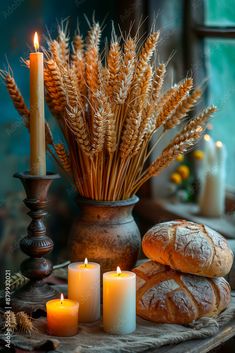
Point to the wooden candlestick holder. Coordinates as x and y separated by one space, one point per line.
36 244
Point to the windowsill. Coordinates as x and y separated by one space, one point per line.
162 210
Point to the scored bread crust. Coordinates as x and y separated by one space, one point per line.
188 247
167 296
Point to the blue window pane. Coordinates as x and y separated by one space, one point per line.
221 13
220 60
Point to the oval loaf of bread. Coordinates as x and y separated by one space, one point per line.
188 247
168 296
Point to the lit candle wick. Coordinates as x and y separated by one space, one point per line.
119 271
86 262
219 144
36 41
61 298
207 137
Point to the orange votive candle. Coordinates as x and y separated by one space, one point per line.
62 317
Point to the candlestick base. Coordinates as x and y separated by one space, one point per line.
33 297
36 244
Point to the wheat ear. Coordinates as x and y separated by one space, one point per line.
130 134
78 44
63 157
175 98
78 127
17 98
127 70
25 324
55 52
158 82
182 110
200 120
142 91
93 36
146 54
55 86
63 41
114 65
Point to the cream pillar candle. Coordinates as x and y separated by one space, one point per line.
37 120
84 287
221 154
209 150
119 302
212 199
62 317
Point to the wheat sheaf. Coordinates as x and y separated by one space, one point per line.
110 103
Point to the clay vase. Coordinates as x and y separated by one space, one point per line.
106 232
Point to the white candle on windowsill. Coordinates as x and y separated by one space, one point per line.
84 287
221 154
212 198
119 302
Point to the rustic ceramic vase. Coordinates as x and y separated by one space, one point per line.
106 232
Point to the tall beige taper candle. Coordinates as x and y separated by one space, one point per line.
37 119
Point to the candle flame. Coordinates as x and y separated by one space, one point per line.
219 144
207 137
119 271
36 41
61 298
86 262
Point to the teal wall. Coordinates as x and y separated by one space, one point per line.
18 21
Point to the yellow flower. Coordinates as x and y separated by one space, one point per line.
176 178
180 158
184 171
198 154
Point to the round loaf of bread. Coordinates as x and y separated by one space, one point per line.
168 296
188 247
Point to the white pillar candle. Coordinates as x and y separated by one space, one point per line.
119 302
209 150
212 199
84 287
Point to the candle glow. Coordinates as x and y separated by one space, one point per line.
119 271
207 137
219 144
61 298
86 262
36 41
